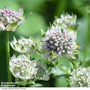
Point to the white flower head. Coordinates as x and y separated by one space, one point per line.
25 45
42 72
22 67
11 20
66 20
80 77
58 42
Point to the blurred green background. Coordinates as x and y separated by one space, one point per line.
44 12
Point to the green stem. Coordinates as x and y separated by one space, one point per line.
88 32
63 70
8 55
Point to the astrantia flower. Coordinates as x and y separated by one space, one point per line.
80 77
58 42
26 45
42 72
22 67
11 20
66 20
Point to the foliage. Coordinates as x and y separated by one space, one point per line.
44 11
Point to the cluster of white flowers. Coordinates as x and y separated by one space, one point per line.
66 20
80 77
25 45
11 20
59 41
22 67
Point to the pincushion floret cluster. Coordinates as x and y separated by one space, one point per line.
10 20
80 77
60 41
9 14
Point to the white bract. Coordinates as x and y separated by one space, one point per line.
42 72
11 20
80 77
25 45
58 42
66 20
22 67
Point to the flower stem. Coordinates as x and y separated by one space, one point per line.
64 70
88 32
8 55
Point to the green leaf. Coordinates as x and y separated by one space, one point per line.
43 33
12 27
60 82
64 61
74 62
86 64
57 71
37 57
76 26
37 85
81 56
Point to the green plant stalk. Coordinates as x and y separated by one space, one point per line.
63 70
87 37
8 55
